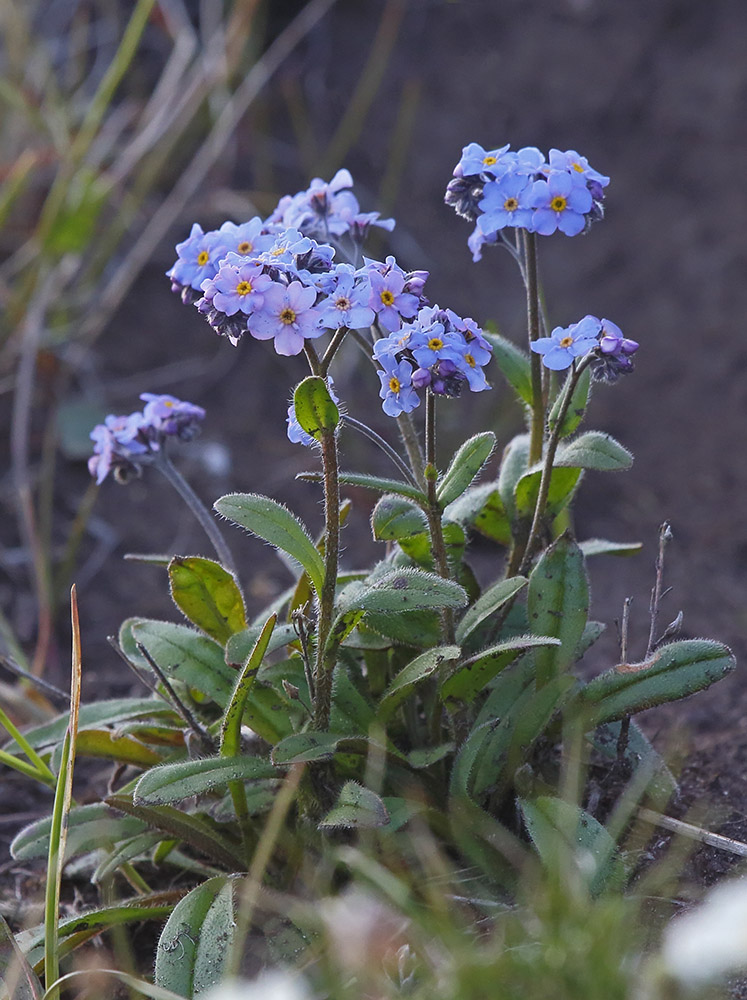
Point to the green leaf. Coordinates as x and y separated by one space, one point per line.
464 466
592 631
556 826
239 647
638 753
356 808
115 746
313 746
403 590
316 411
513 363
563 485
95 714
511 742
601 547
558 605
481 507
269 713
208 595
89 828
489 602
274 523
230 729
195 945
471 676
416 671
513 466
577 408
351 712
421 629
184 654
126 850
593 450
394 518
419 548
176 782
377 483
673 671
199 832
15 971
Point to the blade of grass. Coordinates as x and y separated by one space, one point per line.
44 771
62 802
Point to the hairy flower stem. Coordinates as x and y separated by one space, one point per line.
166 468
412 446
537 428
332 348
434 511
324 668
552 447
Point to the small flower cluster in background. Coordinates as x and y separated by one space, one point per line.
123 443
439 351
498 188
612 351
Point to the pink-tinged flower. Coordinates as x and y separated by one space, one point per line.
288 316
389 300
238 286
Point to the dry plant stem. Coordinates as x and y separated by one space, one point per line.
323 670
552 447
180 484
622 740
665 533
537 429
434 511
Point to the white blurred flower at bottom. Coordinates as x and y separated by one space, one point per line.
709 941
274 985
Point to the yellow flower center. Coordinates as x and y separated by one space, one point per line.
489 160
565 341
435 343
394 384
578 168
470 360
343 303
203 257
558 203
168 404
244 247
244 287
510 204
278 251
288 316
387 297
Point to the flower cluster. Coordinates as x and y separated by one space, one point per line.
500 188
603 339
273 280
439 351
123 443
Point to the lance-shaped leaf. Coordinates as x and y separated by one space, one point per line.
196 942
464 466
126 850
274 523
594 450
239 647
316 411
416 671
19 980
577 408
175 782
513 363
89 828
395 517
489 602
673 671
208 595
419 548
421 629
557 826
481 508
230 729
403 590
116 746
377 483
638 753
563 485
184 654
601 547
357 808
558 605
470 677
513 466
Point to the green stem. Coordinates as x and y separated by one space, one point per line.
412 446
552 447
379 441
332 347
434 511
324 669
537 429
188 495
